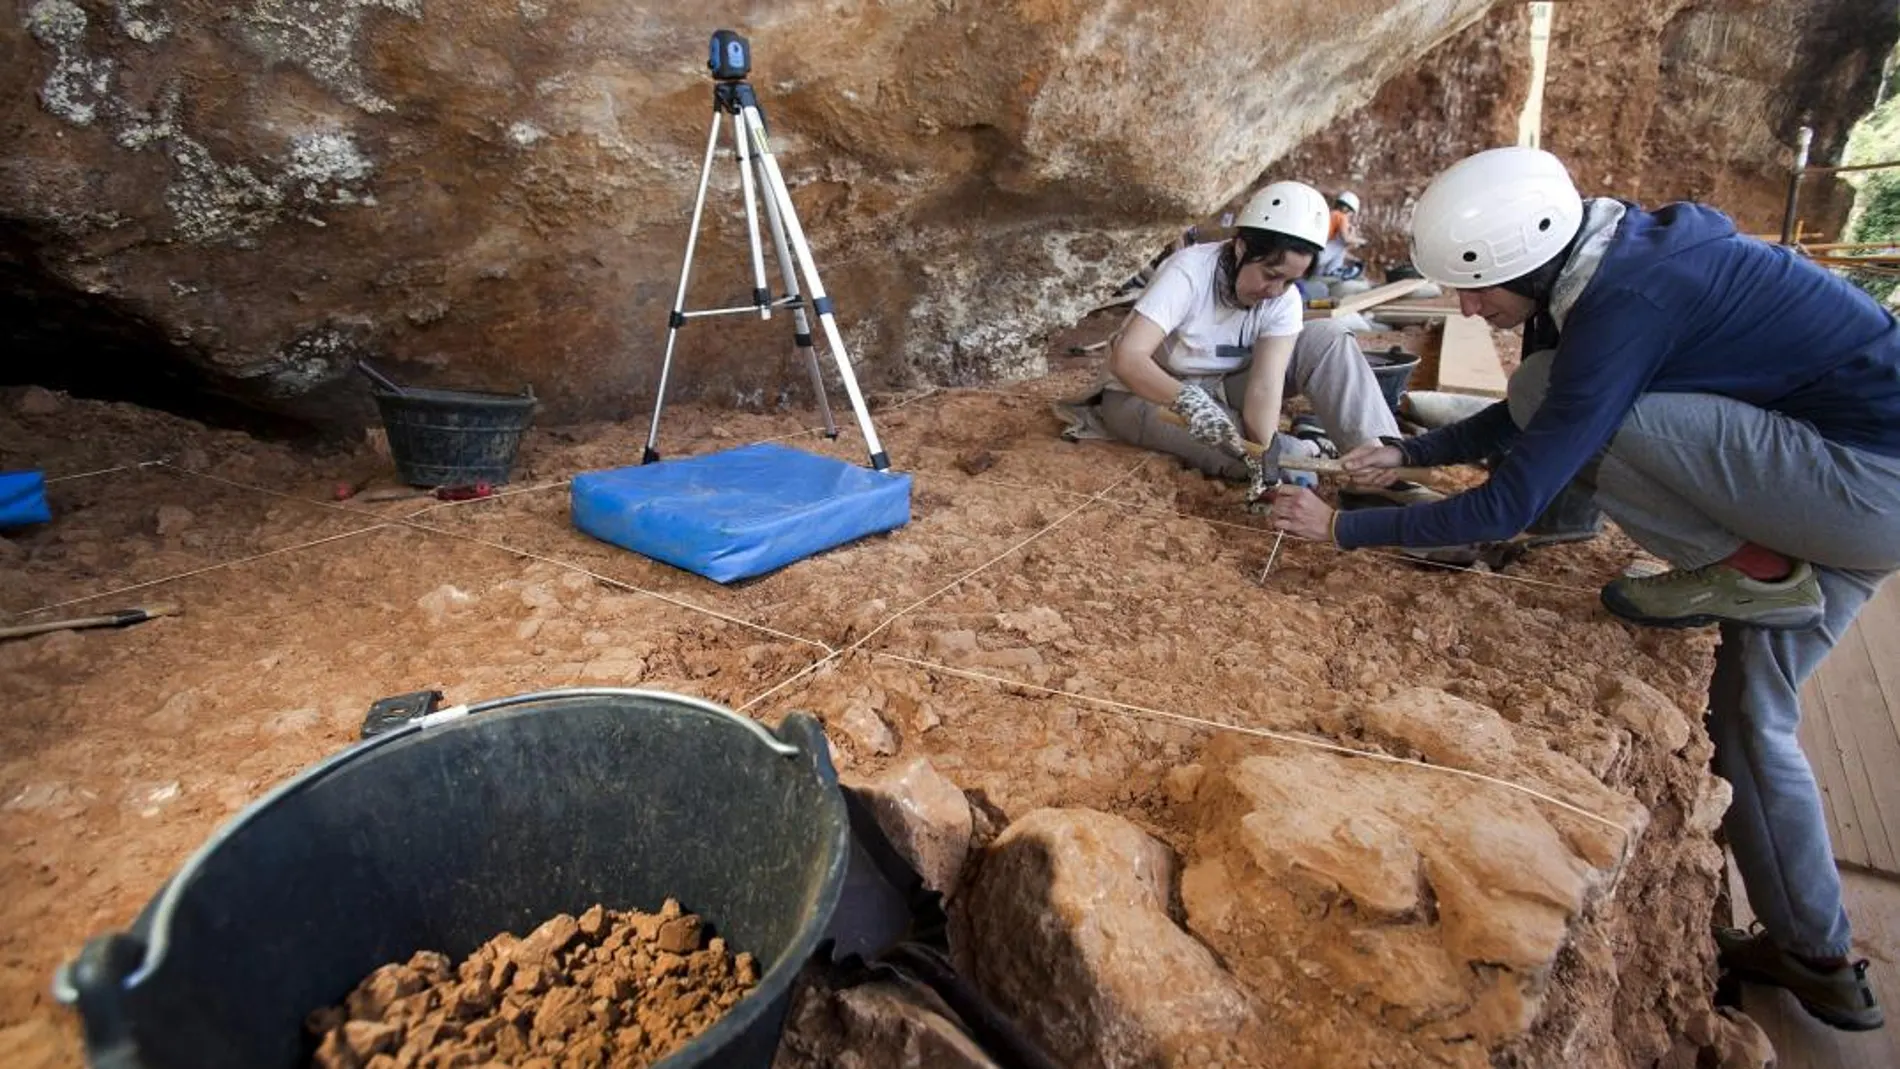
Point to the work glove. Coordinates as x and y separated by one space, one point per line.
1207 421
1262 479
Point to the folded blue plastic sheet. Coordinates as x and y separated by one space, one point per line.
740 512
23 499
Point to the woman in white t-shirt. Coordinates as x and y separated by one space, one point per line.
1217 339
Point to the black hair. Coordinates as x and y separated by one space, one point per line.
1261 245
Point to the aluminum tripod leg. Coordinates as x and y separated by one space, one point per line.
821 303
678 318
801 325
761 296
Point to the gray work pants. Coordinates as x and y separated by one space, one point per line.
1327 368
1691 477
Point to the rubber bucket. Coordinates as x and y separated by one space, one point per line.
1393 370
462 824
453 437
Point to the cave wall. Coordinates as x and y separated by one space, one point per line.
1702 99
497 192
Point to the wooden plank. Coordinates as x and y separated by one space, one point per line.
1391 291
1867 744
1801 1042
1830 772
1468 359
1419 308
1879 624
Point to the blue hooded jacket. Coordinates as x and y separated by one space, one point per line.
1681 303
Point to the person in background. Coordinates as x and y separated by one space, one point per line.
1342 233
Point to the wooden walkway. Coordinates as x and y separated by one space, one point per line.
1801 1042
1850 728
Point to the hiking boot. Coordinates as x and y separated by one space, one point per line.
1309 429
1841 997
1715 594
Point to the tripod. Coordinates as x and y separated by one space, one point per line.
733 96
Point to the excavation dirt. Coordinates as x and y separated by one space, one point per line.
605 990
1068 628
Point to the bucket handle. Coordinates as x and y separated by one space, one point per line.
95 985
764 734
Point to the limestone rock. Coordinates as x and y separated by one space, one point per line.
284 187
171 520
955 647
1458 733
1712 82
867 730
1646 711
1039 625
38 401
1739 1043
926 817
1424 909
1071 936
443 602
875 1025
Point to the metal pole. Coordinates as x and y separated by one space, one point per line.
1794 183
801 326
678 318
819 301
761 296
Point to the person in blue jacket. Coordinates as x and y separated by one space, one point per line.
1736 410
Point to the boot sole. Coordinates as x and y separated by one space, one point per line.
1825 1014
1624 610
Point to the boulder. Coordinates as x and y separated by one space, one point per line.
1070 934
926 818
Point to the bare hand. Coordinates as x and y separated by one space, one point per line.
1299 511
1371 464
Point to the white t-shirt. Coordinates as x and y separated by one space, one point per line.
1182 301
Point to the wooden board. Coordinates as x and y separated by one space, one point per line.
1391 291
1468 359
1801 1042
1425 309
1850 730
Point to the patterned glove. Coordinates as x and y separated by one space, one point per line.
1207 421
1262 480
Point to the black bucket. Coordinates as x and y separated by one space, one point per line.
454 437
1393 368
441 833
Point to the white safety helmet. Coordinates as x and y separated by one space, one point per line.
1291 208
1493 217
1348 200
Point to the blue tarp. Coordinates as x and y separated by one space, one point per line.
23 499
740 512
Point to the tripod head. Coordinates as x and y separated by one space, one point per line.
730 57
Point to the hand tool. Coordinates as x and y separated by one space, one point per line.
119 618
441 493
1316 465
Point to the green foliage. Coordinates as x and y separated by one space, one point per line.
1876 214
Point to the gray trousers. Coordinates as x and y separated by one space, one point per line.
1327 368
1691 477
